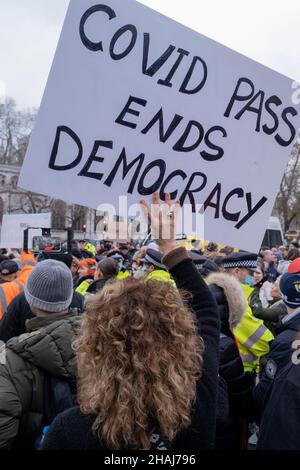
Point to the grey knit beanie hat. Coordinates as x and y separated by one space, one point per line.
49 287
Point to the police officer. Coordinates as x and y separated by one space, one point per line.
252 336
87 249
123 271
280 424
281 350
153 268
204 265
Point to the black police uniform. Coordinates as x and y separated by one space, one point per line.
280 425
281 351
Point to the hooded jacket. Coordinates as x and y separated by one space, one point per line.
14 321
252 336
230 299
45 349
231 306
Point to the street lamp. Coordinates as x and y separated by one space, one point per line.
9 201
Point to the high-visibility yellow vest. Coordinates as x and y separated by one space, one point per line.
160 275
252 336
90 247
83 287
122 275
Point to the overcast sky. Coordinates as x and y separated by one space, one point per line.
267 31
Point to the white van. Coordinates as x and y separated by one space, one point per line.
274 235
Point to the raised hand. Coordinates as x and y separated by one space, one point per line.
162 218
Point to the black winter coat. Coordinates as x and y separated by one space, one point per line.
280 425
280 354
14 320
45 350
96 286
73 430
230 429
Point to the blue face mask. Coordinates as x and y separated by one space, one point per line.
249 281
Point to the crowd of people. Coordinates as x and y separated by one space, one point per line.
122 346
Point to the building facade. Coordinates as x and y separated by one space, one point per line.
14 200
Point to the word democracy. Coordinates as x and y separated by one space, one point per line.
137 171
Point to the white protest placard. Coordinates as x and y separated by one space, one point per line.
13 226
137 103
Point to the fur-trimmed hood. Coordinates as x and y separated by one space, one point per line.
234 296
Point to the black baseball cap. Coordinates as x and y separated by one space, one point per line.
8 267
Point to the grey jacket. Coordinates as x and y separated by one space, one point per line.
45 348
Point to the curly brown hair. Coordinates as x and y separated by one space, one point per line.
139 358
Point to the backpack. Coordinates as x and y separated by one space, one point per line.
59 395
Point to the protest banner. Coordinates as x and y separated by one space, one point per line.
13 226
136 103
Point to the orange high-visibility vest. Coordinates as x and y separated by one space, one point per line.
10 290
